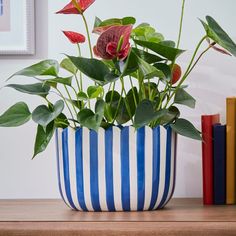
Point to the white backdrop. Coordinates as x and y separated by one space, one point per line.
210 83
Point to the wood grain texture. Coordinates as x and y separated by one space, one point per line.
51 217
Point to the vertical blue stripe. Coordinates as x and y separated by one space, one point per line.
125 176
58 166
109 169
168 167
66 166
156 166
94 170
79 168
141 167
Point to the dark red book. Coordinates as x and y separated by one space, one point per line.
207 157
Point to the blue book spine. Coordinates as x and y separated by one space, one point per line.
219 160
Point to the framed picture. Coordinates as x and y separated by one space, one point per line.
17 33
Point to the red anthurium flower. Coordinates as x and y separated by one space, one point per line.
74 37
176 73
71 9
114 43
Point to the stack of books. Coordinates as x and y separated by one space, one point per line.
219 157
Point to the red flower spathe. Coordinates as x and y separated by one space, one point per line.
108 43
74 37
71 9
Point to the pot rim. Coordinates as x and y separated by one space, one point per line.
120 127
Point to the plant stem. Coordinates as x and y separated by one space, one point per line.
149 89
112 93
180 30
161 98
181 23
80 74
118 106
47 100
188 68
109 88
198 59
68 93
75 3
88 35
68 107
77 82
126 104
132 86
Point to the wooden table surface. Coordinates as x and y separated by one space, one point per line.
51 217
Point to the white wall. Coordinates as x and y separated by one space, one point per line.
211 82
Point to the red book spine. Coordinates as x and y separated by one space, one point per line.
207 156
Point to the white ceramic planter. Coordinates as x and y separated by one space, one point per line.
118 169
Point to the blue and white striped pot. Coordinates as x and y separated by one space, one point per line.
118 169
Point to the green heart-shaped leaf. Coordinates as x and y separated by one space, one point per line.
146 56
47 67
182 97
33 89
218 35
82 96
69 66
42 115
93 68
147 71
53 82
43 138
161 48
16 115
95 91
91 120
186 128
144 114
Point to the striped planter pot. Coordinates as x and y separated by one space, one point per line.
118 169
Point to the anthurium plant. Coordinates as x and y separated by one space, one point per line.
132 57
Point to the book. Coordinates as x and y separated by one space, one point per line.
207 156
230 149
219 160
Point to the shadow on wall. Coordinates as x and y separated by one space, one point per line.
41 31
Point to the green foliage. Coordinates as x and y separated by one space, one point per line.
114 21
147 33
47 67
185 128
16 115
93 68
148 57
43 137
161 48
145 113
88 118
66 64
97 22
147 71
218 35
54 82
95 93
182 97
33 89
44 115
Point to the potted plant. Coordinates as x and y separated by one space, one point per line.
116 148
